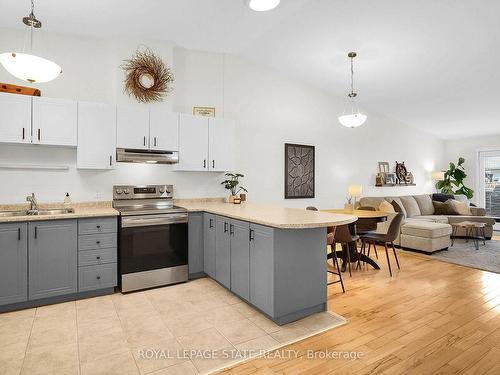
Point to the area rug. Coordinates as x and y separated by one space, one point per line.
487 258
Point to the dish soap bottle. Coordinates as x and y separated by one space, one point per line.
67 200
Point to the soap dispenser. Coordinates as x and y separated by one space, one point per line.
67 200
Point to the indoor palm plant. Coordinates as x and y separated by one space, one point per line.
232 184
453 182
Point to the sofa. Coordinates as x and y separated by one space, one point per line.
422 230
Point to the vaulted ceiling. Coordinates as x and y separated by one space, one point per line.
432 64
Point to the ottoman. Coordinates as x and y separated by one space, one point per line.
425 236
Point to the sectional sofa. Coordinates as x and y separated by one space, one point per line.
422 230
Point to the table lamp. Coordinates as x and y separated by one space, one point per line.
437 176
355 191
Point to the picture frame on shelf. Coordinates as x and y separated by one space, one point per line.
390 179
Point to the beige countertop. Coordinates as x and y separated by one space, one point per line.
82 210
269 215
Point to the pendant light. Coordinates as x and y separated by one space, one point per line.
355 118
26 66
262 5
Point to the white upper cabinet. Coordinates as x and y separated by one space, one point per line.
96 136
54 122
15 118
221 144
132 127
193 143
163 130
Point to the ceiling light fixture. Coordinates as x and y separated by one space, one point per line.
355 118
26 66
262 5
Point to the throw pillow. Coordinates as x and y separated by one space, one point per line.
444 208
440 197
386 207
461 207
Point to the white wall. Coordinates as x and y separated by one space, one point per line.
469 148
269 108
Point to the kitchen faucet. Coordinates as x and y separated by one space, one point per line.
34 204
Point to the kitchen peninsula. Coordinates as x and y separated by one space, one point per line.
272 257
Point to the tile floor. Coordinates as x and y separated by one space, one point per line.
162 331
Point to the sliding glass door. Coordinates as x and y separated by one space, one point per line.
489 182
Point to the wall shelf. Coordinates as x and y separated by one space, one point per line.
395 185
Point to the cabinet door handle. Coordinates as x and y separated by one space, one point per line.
98 277
204 163
98 257
155 142
211 223
19 234
110 160
36 232
251 235
225 227
39 134
144 140
231 229
98 242
24 135
98 226
213 163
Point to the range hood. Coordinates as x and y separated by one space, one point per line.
146 156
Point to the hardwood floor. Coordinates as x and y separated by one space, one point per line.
430 318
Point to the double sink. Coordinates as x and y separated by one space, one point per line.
45 211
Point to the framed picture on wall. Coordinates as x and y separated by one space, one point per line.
299 171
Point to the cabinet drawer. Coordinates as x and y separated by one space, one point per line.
95 257
97 241
97 225
97 277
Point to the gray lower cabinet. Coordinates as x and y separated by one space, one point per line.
97 254
195 243
240 259
97 277
13 263
52 258
262 268
209 244
223 231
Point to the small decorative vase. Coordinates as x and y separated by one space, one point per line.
243 197
231 198
348 207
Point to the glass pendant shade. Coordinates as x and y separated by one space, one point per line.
262 5
352 121
30 68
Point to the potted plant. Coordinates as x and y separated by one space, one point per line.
232 184
453 182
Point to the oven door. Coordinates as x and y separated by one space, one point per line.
151 242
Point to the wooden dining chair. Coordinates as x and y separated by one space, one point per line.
374 238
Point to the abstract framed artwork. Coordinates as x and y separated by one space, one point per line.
299 171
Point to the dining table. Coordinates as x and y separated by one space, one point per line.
352 247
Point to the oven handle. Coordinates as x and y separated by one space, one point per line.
146 221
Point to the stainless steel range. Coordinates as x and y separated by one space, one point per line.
152 237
